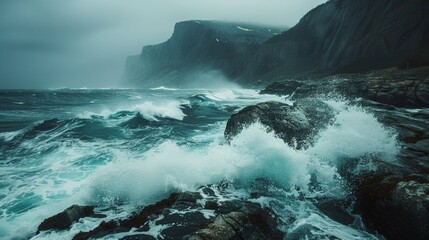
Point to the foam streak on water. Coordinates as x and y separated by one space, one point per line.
135 150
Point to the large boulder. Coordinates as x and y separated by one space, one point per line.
397 207
296 125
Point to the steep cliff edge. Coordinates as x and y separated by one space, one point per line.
348 36
195 48
340 36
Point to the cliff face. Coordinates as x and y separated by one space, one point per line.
197 46
349 36
335 37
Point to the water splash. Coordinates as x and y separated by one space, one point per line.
111 173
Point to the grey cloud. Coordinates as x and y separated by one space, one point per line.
84 43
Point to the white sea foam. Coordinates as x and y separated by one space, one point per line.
164 88
132 177
321 226
253 153
148 109
41 187
151 110
8 136
241 96
170 166
172 108
355 133
244 29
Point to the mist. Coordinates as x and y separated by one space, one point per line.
84 43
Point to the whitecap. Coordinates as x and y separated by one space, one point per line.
164 88
150 110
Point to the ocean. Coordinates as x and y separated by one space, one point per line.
121 149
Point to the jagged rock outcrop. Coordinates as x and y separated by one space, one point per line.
65 219
392 200
195 48
397 207
413 136
396 88
294 124
195 215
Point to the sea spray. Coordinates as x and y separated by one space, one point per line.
119 168
257 153
254 153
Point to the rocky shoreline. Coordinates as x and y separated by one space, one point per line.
395 87
393 200
212 212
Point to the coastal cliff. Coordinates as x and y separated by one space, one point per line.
348 36
196 47
340 36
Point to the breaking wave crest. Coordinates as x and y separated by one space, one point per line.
150 110
254 153
121 172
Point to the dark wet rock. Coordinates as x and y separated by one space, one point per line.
298 123
186 200
137 220
336 210
147 212
387 197
65 219
208 191
397 88
284 88
138 237
192 218
238 225
392 197
183 216
103 229
413 136
372 104
397 207
317 112
288 122
182 224
212 205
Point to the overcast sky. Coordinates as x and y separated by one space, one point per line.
84 43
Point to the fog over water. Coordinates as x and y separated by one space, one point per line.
84 43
